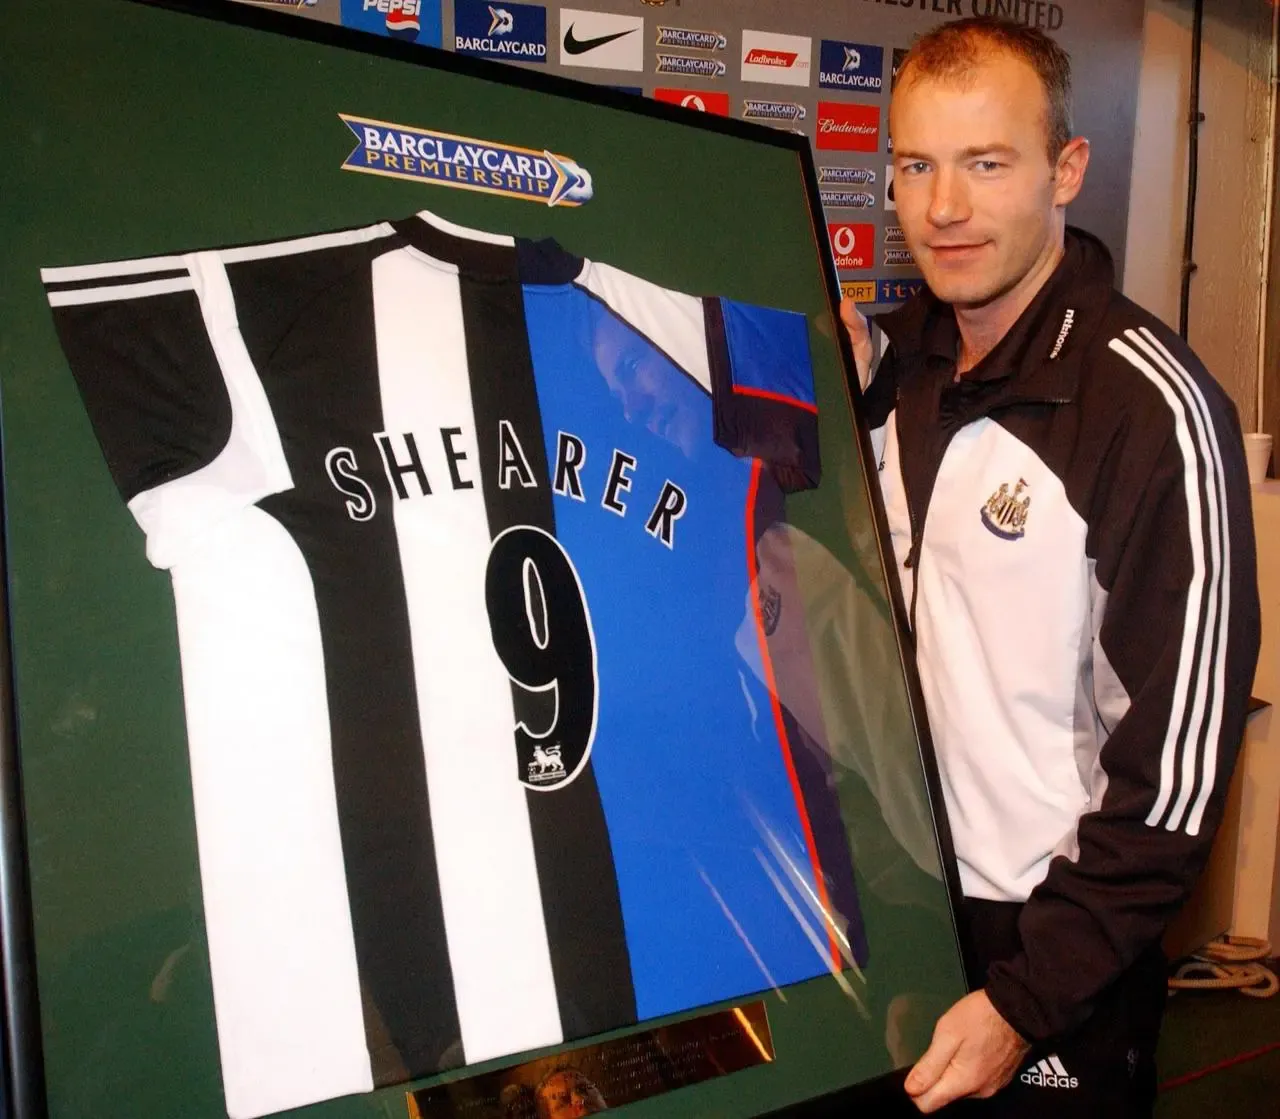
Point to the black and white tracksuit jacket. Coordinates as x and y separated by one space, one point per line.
1072 527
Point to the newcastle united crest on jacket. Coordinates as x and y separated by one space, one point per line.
1006 515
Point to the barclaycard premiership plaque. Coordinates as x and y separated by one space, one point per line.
595 1078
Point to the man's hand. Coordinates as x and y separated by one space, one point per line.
974 1052
859 336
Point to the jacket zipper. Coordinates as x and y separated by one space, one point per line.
912 562
917 533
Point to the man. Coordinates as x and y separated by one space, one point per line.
1067 499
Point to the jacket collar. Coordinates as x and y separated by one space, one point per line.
1040 358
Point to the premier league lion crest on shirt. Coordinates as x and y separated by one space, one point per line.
425 155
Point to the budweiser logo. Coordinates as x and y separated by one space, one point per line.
758 56
826 124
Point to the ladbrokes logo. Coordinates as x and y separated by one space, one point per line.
848 128
853 245
780 59
761 57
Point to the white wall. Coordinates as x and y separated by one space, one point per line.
1226 288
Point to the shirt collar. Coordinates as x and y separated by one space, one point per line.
1040 354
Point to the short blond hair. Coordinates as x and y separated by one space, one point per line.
955 50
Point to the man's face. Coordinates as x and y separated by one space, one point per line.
975 191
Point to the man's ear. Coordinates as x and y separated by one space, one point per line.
1068 175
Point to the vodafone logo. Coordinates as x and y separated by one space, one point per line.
760 57
701 101
853 244
848 128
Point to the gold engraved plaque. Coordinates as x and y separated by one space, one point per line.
605 1075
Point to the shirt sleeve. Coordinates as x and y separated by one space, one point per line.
1175 634
177 407
754 361
763 394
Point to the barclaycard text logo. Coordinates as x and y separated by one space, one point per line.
847 199
690 66
753 109
506 31
847 176
851 66
893 235
424 155
898 257
685 39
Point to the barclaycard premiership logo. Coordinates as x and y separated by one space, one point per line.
684 38
754 109
847 176
424 155
689 65
847 199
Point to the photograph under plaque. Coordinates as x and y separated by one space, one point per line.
605 1076
446 590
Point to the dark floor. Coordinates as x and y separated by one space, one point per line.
1203 1029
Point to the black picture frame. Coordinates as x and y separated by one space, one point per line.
26 1087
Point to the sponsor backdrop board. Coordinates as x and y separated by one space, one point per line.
296 822
825 70
328 11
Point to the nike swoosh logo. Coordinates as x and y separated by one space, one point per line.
581 46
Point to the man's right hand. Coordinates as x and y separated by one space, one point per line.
855 323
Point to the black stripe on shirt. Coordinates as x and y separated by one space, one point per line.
578 881
323 388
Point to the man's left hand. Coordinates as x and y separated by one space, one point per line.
974 1052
